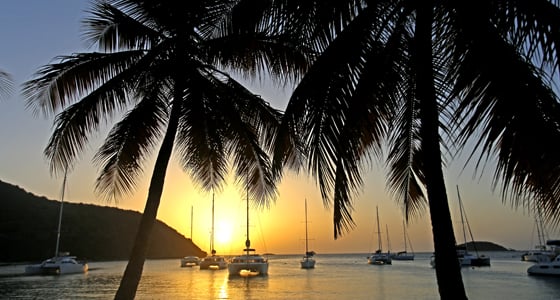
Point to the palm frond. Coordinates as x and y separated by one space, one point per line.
127 146
6 85
59 84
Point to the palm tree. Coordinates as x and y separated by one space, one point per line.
417 76
5 84
158 68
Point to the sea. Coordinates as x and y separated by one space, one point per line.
336 276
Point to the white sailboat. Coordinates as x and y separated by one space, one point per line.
213 261
404 255
61 262
541 251
466 258
379 258
307 262
190 261
249 263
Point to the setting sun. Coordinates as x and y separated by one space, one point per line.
224 231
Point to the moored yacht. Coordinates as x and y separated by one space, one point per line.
250 263
58 265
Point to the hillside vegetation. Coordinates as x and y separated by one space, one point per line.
28 226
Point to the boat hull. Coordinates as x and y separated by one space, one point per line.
248 265
213 263
57 266
189 261
551 268
307 263
380 259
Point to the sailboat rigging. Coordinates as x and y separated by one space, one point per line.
213 261
250 263
308 262
379 258
190 261
61 262
404 255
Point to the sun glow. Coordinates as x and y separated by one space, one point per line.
224 232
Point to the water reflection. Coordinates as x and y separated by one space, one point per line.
241 287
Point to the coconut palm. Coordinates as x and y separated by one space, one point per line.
158 68
418 77
5 84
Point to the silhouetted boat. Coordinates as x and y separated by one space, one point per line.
308 262
466 259
379 257
549 268
62 262
404 255
213 261
250 263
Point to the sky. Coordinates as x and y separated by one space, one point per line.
35 32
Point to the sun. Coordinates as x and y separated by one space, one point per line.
223 232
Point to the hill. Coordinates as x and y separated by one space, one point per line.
28 226
483 246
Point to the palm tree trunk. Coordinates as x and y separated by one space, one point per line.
448 271
133 272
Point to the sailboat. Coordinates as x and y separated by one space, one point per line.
308 262
61 262
213 261
379 258
190 261
250 263
467 259
540 253
404 255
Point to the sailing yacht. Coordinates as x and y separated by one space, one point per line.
404 255
541 251
466 258
213 261
190 261
379 258
249 263
62 262
307 262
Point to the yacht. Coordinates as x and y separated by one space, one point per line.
250 263
213 261
551 268
378 257
307 262
189 261
62 262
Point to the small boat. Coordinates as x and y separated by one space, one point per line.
250 263
213 261
307 262
404 255
62 262
551 268
378 257
189 261
58 265
466 259
541 251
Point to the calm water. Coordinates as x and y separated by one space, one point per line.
336 276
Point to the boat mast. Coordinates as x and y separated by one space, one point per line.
306 241
212 250
60 212
191 220
462 219
248 241
378 231
404 235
